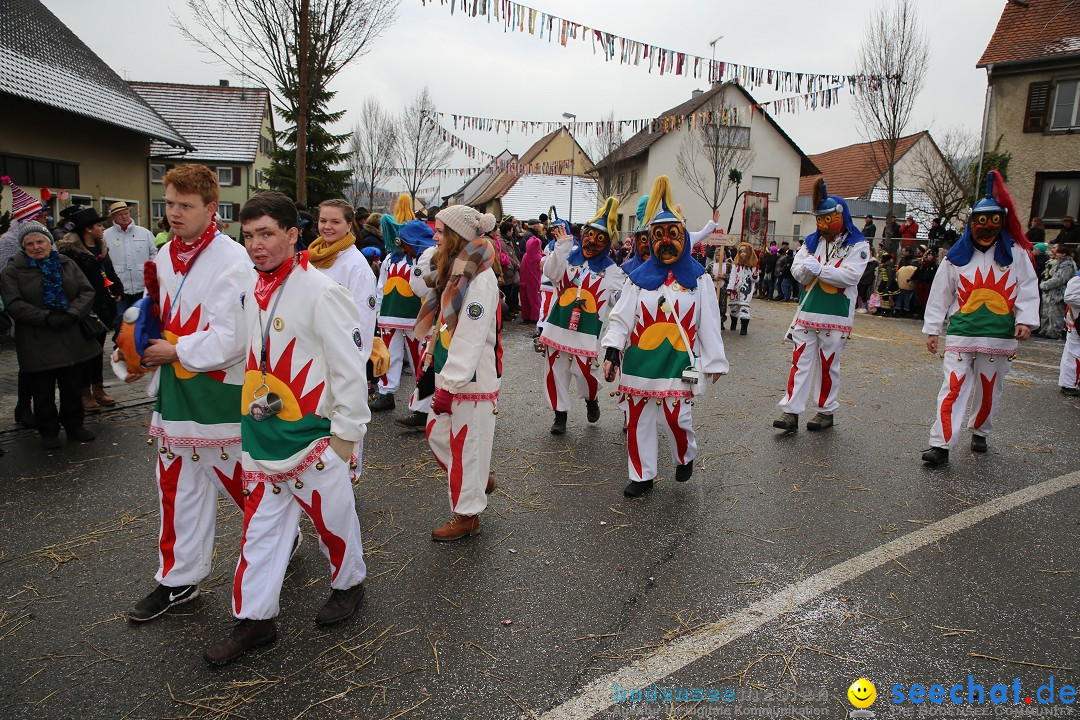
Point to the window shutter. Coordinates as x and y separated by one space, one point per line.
236 177
1038 105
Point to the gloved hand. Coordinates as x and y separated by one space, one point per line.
380 357
612 361
442 403
813 265
59 319
343 448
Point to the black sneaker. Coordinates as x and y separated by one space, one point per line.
50 442
935 456
160 600
978 443
80 434
1070 391
683 472
592 408
384 402
415 420
340 605
637 489
559 426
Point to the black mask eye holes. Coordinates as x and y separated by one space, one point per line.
996 219
980 219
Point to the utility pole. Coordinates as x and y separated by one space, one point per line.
302 105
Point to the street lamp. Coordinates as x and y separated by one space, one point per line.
713 63
571 117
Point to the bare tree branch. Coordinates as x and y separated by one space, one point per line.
896 51
939 168
372 150
259 40
708 154
614 173
421 149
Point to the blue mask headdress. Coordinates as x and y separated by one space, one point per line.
635 261
555 220
652 273
417 235
606 222
825 204
997 199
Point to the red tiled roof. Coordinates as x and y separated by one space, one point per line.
1043 28
852 171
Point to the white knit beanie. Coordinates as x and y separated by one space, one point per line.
467 222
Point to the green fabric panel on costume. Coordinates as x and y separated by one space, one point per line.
663 362
824 303
277 439
396 305
199 399
588 323
982 322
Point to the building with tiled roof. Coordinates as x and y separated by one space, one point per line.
70 124
777 164
234 138
1032 64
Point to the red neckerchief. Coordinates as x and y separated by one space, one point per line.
270 281
182 255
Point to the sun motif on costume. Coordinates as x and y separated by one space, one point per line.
992 293
174 330
295 404
397 280
651 330
590 292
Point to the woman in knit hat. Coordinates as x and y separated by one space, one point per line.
461 324
86 245
46 295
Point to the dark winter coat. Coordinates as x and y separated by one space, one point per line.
96 267
39 345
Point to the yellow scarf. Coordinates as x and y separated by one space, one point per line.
322 254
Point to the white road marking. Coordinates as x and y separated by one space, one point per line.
596 696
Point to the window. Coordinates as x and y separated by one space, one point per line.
633 181
266 145
39 172
1066 99
84 200
157 209
796 231
771 231
1057 195
226 212
225 175
620 186
735 136
258 178
618 221
157 172
762 184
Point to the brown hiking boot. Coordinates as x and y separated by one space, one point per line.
821 421
786 421
89 404
456 528
97 391
490 485
247 635
340 605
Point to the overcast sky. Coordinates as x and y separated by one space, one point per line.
474 68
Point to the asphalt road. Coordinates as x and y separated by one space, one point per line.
789 566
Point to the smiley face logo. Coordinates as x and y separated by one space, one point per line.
862 693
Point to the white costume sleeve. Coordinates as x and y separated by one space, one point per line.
1026 307
555 265
622 318
361 284
335 318
470 339
942 292
799 271
222 344
696 237
710 346
615 279
1072 294
416 282
383 272
851 267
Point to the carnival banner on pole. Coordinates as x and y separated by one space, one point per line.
755 226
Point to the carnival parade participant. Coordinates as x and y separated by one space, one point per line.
586 282
304 412
741 280
547 288
201 276
828 265
418 233
987 289
641 251
398 305
1069 369
463 318
667 323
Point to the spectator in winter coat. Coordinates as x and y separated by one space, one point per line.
1070 233
530 281
1036 232
1059 271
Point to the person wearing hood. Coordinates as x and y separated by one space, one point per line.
530 281
664 334
987 291
740 285
829 265
462 320
397 303
586 282
547 289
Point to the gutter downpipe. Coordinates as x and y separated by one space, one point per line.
985 127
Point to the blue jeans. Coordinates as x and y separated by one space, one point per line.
904 300
785 288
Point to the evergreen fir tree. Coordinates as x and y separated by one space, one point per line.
323 151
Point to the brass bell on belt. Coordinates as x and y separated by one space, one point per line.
149 441
170 455
163 450
320 465
195 456
224 456
299 484
276 490
245 492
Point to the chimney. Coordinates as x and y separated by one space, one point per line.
696 93
223 83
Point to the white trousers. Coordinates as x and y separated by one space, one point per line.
1069 371
964 372
815 362
644 416
739 310
562 369
461 443
399 343
546 296
270 520
187 500
419 404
